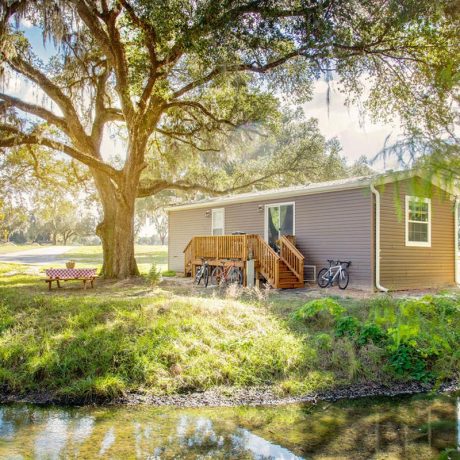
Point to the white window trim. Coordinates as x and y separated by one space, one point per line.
213 211
266 216
420 244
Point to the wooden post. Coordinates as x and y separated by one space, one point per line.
277 273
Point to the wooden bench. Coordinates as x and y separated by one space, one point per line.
70 274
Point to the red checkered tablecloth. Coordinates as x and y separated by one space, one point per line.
69 273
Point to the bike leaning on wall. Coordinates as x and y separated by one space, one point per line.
337 272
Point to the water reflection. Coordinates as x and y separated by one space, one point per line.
419 428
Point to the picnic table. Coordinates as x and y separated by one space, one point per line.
65 274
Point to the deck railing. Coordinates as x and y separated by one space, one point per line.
292 257
220 247
268 260
188 256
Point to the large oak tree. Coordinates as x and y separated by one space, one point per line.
179 77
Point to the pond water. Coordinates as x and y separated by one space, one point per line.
420 427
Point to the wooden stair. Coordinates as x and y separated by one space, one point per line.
287 278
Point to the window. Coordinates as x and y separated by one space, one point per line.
418 221
218 220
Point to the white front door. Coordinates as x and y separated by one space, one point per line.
279 220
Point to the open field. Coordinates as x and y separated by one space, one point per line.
90 256
11 248
84 256
129 337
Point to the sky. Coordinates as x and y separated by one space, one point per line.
358 136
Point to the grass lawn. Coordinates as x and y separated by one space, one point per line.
127 336
91 256
10 248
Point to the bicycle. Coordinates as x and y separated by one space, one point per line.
336 272
203 273
227 274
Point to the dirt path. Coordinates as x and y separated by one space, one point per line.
39 256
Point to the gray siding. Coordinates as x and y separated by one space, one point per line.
327 225
183 225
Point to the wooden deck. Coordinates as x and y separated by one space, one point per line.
283 270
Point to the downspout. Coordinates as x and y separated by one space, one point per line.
456 269
377 240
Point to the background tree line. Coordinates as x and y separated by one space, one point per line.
56 203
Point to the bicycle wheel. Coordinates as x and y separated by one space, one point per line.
217 276
235 276
199 275
206 275
323 278
343 279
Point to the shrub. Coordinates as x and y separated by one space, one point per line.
371 332
407 362
154 275
323 341
317 307
168 273
347 326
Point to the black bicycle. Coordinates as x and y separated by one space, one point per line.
335 272
203 273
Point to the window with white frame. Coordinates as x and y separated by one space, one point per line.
218 221
418 221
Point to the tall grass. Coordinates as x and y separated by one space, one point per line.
118 338
87 347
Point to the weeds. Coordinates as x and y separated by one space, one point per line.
412 339
154 274
110 341
86 347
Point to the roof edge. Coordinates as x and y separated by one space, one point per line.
363 182
274 195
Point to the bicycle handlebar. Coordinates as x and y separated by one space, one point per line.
339 262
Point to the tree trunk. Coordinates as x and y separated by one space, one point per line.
116 230
162 239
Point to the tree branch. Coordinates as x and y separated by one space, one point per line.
159 185
150 35
202 108
240 68
37 110
17 137
111 44
75 128
177 137
100 115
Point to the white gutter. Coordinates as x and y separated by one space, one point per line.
377 239
457 261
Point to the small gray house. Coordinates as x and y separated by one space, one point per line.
400 231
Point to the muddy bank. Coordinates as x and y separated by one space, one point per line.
227 397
